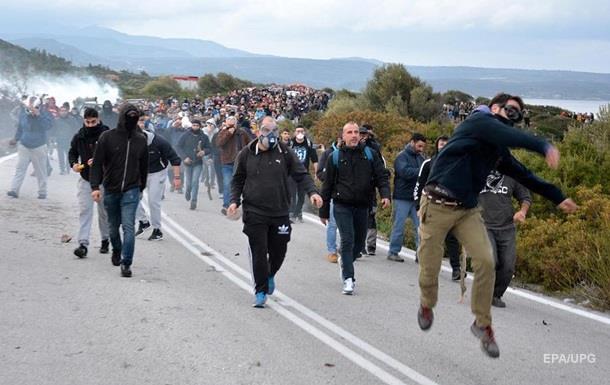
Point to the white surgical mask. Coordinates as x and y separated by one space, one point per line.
300 136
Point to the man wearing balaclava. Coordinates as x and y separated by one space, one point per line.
108 116
121 162
261 176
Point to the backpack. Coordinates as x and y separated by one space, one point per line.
368 153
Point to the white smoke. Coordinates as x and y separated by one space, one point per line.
64 88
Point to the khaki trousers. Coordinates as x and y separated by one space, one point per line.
468 227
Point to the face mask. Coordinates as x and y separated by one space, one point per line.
268 141
300 136
131 120
513 114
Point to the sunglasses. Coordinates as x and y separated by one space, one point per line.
513 113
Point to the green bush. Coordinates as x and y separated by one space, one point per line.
570 253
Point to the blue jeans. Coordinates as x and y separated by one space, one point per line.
227 177
192 174
402 209
331 231
121 211
352 223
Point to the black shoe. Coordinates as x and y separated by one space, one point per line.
187 195
125 271
223 211
12 194
455 276
116 257
488 341
497 302
42 196
104 246
425 317
193 205
143 226
370 251
81 251
156 235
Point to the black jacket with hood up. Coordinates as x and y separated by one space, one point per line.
120 161
83 145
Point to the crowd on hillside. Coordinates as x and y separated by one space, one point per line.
458 111
580 117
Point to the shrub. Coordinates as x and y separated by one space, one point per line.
570 253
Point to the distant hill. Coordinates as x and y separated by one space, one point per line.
158 56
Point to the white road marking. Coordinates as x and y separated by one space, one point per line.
410 254
282 304
7 157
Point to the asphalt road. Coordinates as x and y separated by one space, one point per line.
186 317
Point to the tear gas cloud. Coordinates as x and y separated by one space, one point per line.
65 88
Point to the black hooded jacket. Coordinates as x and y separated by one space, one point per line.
262 178
120 161
109 117
353 180
83 145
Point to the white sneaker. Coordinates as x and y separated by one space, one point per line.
348 286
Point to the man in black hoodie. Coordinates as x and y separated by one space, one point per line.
109 117
80 158
352 173
121 162
449 203
261 175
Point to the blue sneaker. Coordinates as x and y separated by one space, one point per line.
259 300
270 285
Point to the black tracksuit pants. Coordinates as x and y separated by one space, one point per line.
268 238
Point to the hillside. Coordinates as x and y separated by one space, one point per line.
159 56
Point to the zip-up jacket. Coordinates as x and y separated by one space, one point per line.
82 147
480 144
261 177
190 143
32 130
160 153
231 144
422 178
353 181
120 160
406 168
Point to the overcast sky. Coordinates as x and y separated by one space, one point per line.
543 34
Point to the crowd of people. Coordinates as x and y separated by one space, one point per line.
580 117
458 111
460 200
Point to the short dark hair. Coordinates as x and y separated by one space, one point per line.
90 113
442 137
417 137
502 98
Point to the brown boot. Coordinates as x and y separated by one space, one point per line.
332 257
